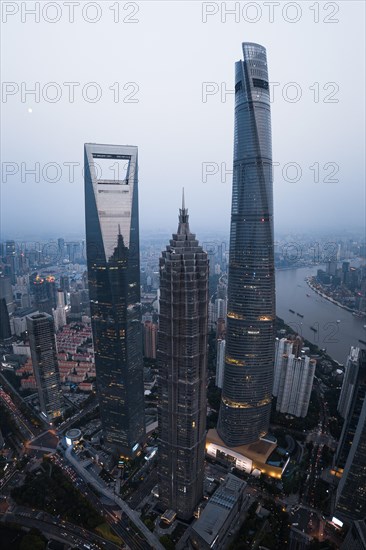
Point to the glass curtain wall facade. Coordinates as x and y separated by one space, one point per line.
42 342
112 241
351 491
352 397
182 363
248 377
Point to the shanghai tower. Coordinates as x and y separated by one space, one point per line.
112 240
182 358
248 377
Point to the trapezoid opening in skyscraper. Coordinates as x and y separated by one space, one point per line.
113 259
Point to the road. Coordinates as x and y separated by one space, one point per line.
19 400
306 515
132 515
322 436
121 526
75 420
143 490
125 529
22 423
8 477
52 527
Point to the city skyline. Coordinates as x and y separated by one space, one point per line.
161 388
312 122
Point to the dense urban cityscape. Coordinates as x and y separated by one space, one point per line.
184 389
45 285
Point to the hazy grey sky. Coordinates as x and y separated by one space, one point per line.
159 65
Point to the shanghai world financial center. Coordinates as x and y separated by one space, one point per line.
112 236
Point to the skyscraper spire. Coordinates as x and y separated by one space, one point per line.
183 227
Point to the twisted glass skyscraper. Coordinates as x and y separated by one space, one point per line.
112 239
246 396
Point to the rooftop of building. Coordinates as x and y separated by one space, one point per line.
259 451
265 454
218 508
25 311
356 534
74 432
360 526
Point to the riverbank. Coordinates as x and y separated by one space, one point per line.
309 282
293 292
314 349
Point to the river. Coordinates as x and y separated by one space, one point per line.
292 292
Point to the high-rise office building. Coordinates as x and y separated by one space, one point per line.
112 243
5 331
248 379
283 348
75 304
332 267
295 385
351 491
216 310
59 314
73 251
350 380
211 316
219 515
61 248
182 357
51 290
41 294
42 343
222 289
221 328
345 272
11 260
220 363
356 536
150 339
64 283
60 298
220 308
352 397
6 292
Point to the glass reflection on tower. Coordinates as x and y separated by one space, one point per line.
248 376
112 241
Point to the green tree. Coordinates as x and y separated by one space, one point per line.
149 524
167 542
32 542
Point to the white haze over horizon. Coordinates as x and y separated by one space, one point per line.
169 53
